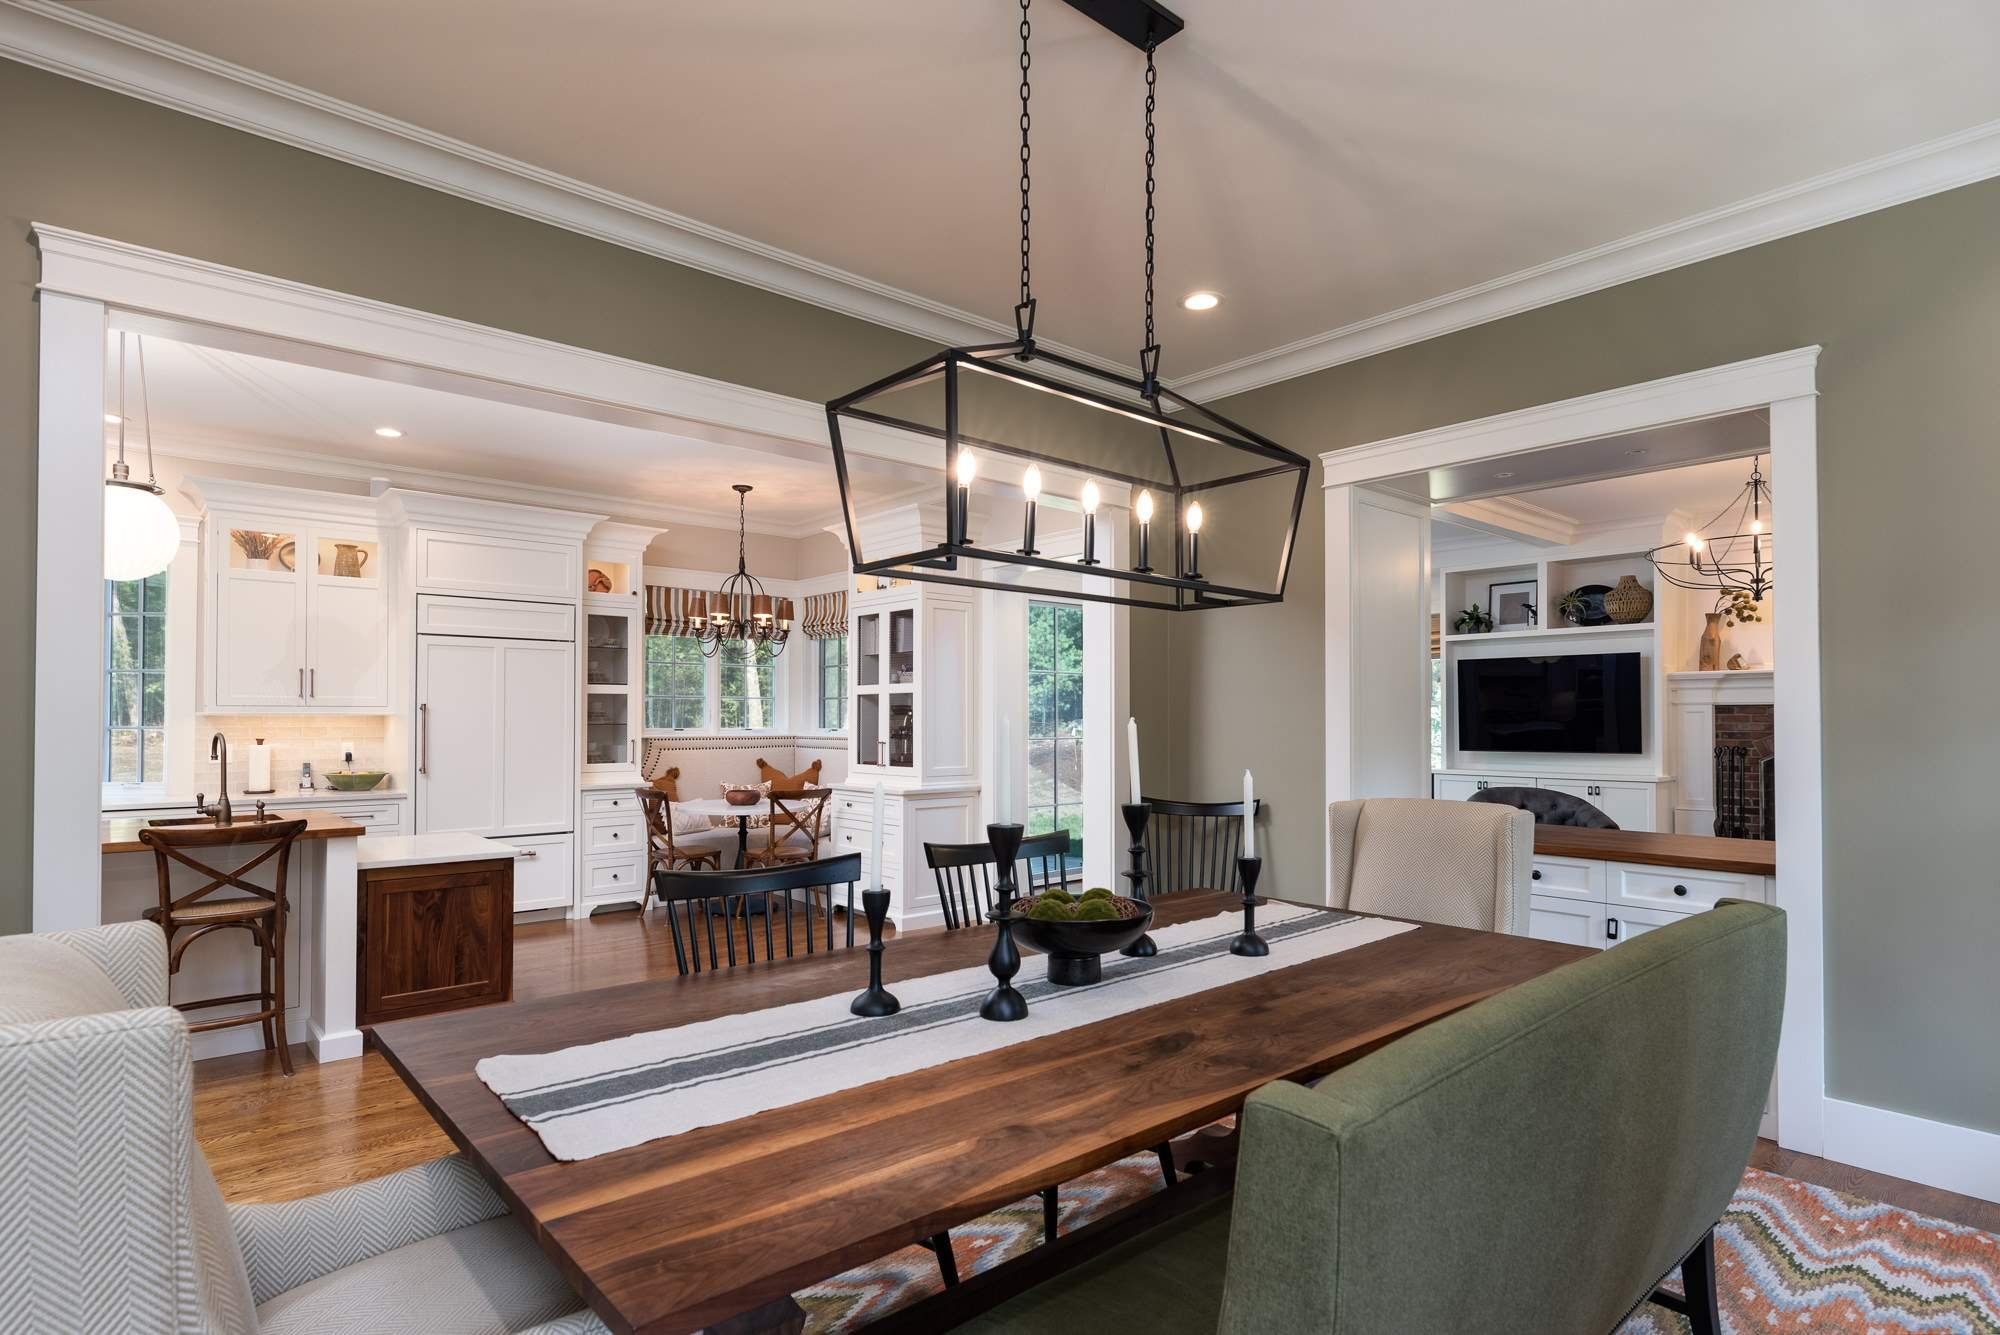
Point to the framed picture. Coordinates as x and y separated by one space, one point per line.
1513 604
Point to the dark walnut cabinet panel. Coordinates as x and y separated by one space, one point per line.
435 938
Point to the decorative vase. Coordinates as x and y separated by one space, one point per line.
1630 601
1711 643
348 560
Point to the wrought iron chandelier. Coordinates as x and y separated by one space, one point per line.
741 610
1138 440
1730 551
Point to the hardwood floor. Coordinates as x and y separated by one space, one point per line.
272 1139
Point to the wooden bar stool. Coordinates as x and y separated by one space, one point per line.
259 910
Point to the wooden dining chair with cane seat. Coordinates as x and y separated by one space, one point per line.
662 849
965 874
260 910
796 830
1193 845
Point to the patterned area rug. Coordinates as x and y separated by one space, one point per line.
1789 1257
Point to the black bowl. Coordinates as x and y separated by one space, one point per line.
1074 945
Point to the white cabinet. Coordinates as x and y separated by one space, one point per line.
544 865
295 616
911 654
495 736
1622 925
1574 922
613 690
452 561
1632 804
911 818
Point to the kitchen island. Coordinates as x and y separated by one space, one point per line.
320 939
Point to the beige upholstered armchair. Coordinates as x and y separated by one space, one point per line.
1464 864
111 1220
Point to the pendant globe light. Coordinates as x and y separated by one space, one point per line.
141 534
1081 437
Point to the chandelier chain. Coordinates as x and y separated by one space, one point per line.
1152 80
1026 285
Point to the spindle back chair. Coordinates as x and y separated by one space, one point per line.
698 903
966 875
1193 845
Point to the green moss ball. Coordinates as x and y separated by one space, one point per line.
1047 908
1058 895
1095 910
1097 892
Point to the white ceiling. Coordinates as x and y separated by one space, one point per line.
1321 163
1700 491
225 405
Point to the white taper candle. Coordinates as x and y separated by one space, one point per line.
1132 746
875 851
1249 816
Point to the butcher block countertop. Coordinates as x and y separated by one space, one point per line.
1747 857
121 834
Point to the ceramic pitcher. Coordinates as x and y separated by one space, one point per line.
348 560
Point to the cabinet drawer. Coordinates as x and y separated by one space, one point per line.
544 868
614 878
452 562
849 839
1572 878
1461 787
494 618
611 834
1678 890
610 801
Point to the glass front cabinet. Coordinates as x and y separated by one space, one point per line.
911 680
610 672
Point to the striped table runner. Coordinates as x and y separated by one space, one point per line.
599 1097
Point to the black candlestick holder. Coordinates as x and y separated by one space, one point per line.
1004 1002
1248 942
877 1000
1136 815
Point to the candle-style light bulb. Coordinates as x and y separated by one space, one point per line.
1194 517
1694 542
958 521
1756 526
1031 487
1193 521
1143 508
1089 502
968 467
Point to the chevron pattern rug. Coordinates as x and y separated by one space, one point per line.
1789 1257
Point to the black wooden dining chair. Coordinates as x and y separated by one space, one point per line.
1193 845
698 902
965 874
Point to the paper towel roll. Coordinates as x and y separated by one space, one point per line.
260 769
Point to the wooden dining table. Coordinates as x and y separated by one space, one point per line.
716 1228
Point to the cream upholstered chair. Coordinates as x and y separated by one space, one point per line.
111 1220
1464 864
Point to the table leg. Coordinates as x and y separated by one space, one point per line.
742 840
780 1316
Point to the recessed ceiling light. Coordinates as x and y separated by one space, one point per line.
1503 475
113 419
1201 301
1637 454
387 432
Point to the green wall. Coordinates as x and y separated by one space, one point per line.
80 157
1906 304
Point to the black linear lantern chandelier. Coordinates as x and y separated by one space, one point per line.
1731 552
1129 433
741 610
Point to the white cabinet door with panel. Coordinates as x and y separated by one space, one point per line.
1622 924
480 563
1461 787
259 641
348 667
1574 922
495 736
1629 805
544 866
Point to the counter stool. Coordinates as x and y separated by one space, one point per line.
261 911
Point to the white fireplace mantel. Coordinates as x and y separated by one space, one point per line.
1693 697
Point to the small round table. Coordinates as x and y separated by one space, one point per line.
721 812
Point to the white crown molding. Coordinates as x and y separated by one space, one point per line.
77 44
1879 183
1512 517
73 42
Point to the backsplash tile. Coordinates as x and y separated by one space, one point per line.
294 739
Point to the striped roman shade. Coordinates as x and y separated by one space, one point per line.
669 611
826 615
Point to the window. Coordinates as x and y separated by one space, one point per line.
748 695
1437 697
833 683
676 682
1055 722
135 680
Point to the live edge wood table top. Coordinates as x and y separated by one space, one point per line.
691 1231
1748 857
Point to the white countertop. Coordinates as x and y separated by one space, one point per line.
284 797
422 850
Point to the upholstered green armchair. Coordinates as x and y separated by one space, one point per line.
1535 1163
111 1220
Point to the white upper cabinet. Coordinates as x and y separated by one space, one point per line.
295 612
510 567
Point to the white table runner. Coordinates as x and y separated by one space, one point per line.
599 1097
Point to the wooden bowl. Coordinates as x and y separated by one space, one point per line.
1075 946
743 797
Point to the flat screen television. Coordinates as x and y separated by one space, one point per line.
1582 703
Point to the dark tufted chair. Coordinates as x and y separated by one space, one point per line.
1548 807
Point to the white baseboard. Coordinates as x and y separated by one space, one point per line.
246 1037
1937 1154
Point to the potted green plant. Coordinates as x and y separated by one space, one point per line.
1573 607
1474 620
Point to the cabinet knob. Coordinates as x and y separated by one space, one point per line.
616 835
1680 889
614 875
1535 875
1611 928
